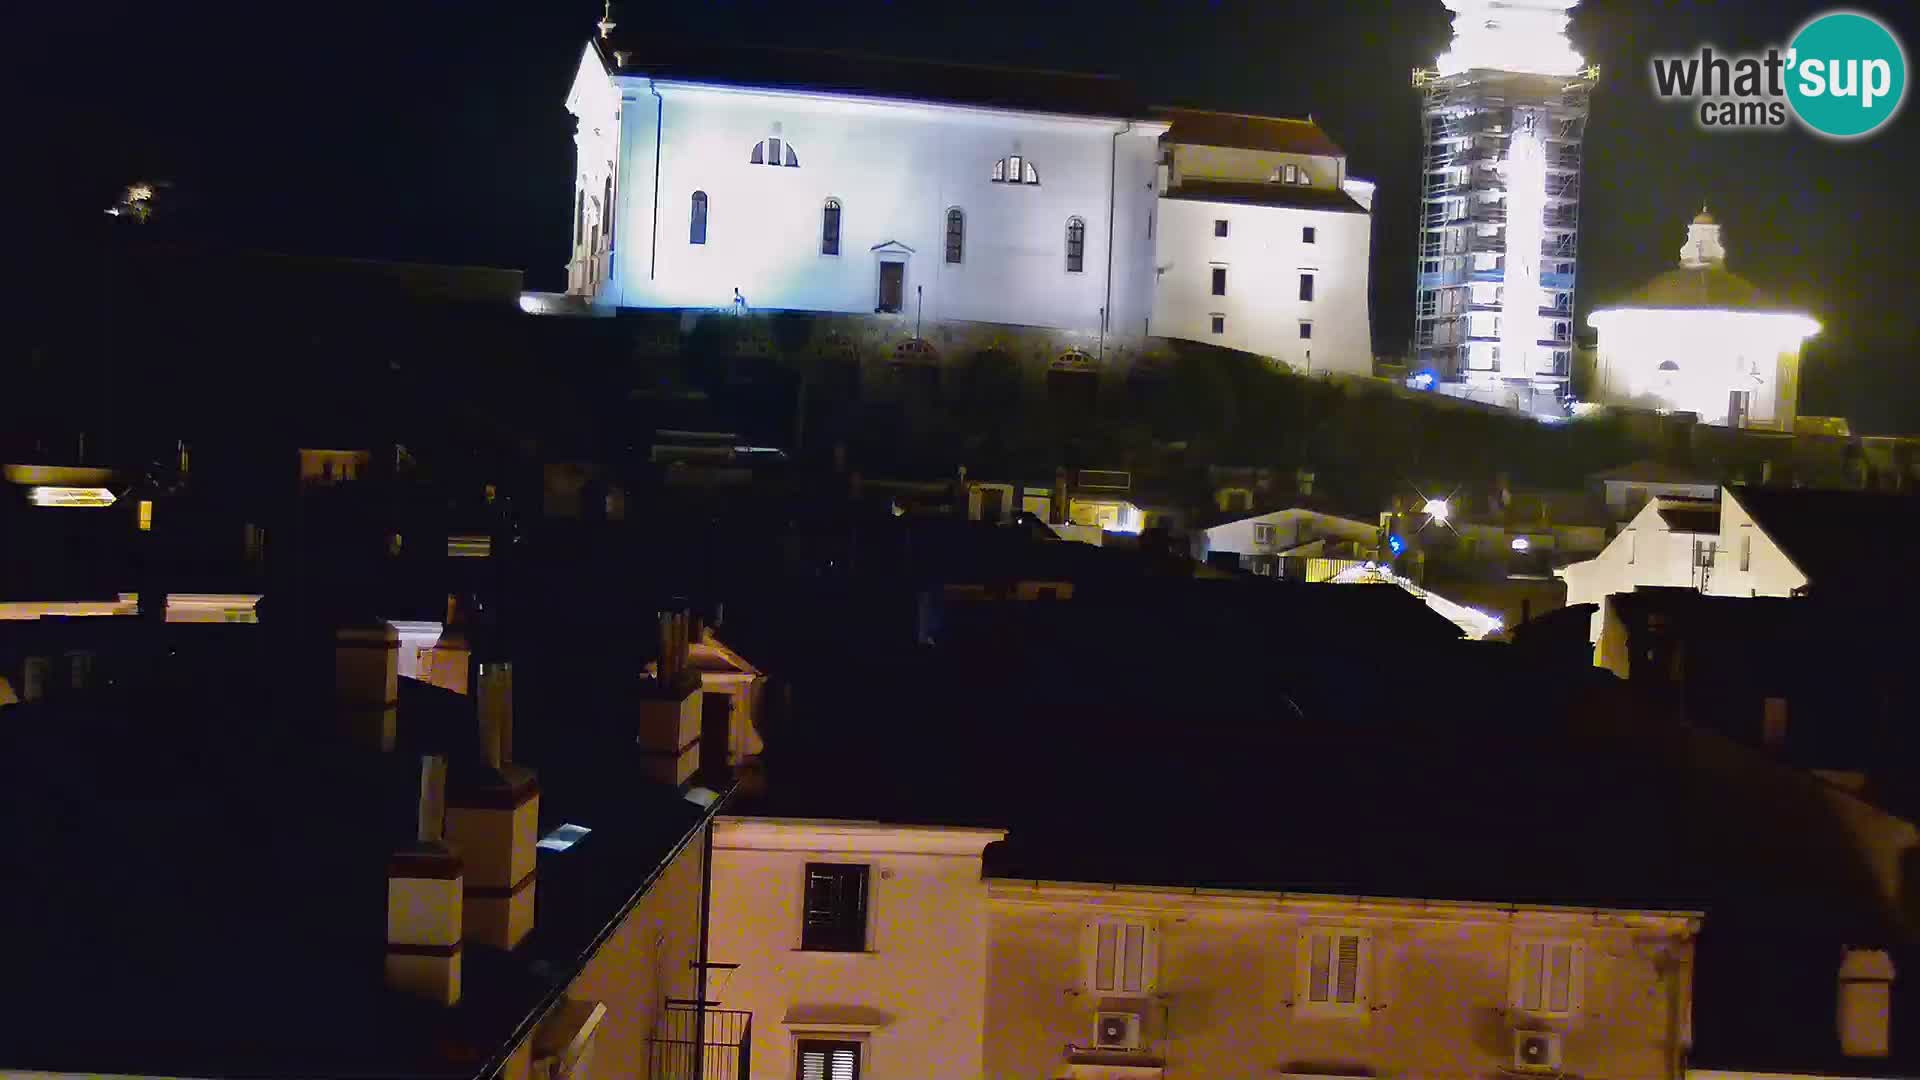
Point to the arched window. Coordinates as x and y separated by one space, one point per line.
606 209
830 228
956 234
1076 245
1014 169
697 223
774 151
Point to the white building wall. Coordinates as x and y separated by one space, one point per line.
1264 254
1712 353
1647 553
915 998
1291 528
895 168
1749 563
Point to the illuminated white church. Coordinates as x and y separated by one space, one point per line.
1702 339
925 194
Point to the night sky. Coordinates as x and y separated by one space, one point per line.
437 131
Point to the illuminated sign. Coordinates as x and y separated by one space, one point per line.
70 496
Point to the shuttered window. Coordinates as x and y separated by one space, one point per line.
1545 981
1076 245
956 234
1335 969
1121 959
823 1060
835 919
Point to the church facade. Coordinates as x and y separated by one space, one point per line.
927 194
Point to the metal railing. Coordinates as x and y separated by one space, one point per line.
679 1051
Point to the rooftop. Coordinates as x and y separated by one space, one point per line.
1195 127
1268 194
1651 471
1852 541
1709 287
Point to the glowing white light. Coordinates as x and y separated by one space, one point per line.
70 496
563 837
1511 35
1521 327
1520 543
1473 622
531 304
1437 509
1710 352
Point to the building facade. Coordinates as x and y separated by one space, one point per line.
1505 112
922 195
1700 339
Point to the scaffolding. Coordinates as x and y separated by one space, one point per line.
1469 120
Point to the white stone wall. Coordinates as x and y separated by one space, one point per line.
896 169
1711 354
1264 255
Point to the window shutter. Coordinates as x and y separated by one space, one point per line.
1347 984
813 1065
822 1060
845 1064
1559 988
1133 958
1105 955
1319 974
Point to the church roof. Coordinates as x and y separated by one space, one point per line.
1258 193
1699 287
895 77
1239 131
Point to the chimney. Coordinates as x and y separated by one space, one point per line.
424 900
1866 1002
493 812
669 735
366 683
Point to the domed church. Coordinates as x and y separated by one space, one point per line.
1702 339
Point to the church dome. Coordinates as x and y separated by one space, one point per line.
1711 287
1703 218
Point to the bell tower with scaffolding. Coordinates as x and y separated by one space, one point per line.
1505 111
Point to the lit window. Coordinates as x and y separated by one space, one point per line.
1120 957
606 209
1773 722
1076 245
1014 169
1306 287
146 515
697 227
956 234
1333 971
1219 324
1546 977
1306 234
835 912
1292 175
1219 281
1306 330
1219 226
827 1059
830 228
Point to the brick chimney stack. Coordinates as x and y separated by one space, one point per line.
670 703
493 805
1866 1002
424 885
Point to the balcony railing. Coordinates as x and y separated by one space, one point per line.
680 1052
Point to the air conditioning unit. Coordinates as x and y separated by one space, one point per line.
1116 1031
1536 1051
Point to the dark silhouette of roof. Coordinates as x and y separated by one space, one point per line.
1849 540
1196 127
1250 193
894 77
1710 287
1690 519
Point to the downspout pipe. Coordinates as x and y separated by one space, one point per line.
1113 198
659 135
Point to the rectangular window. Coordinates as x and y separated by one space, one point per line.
773 151
835 914
1219 281
1306 287
824 1059
1334 971
1545 977
1219 324
1219 226
1076 245
1306 234
1292 175
1120 957
1306 330
1149 225
1746 552
1773 722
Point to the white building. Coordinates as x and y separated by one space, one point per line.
1703 340
1293 531
928 193
1755 542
